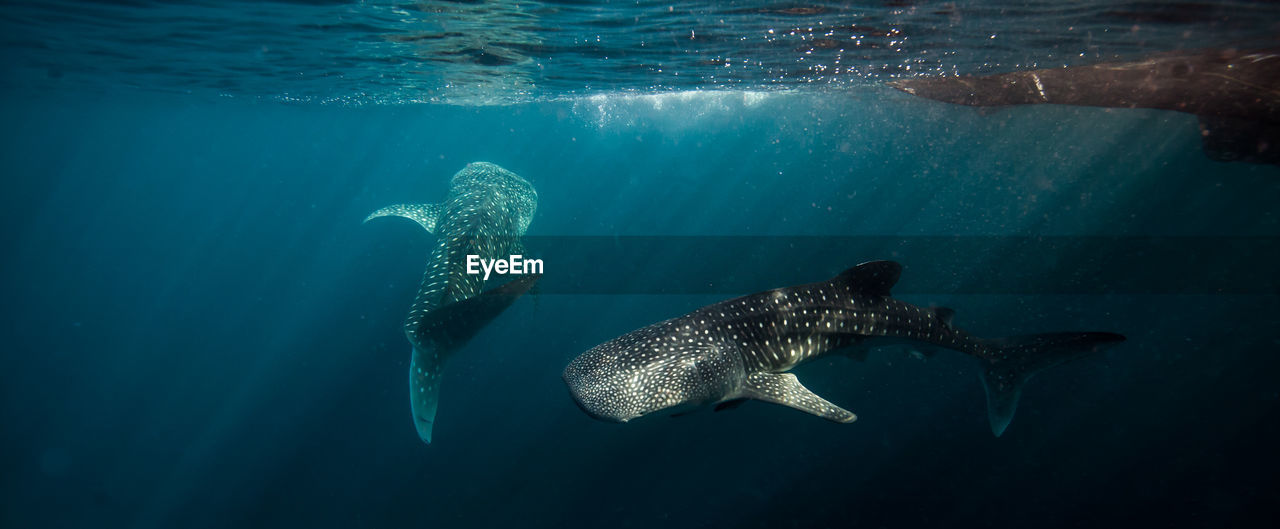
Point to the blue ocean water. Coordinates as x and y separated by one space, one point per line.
200 332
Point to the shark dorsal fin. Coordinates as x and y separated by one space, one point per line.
785 389
424 214
875 278
945 315
451 326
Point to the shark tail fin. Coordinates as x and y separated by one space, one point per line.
444 330
424 390
451 326
1018 358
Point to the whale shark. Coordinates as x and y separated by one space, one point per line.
1234 93
743 348
485 212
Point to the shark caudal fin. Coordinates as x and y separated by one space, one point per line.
1018 358
424 390
444 330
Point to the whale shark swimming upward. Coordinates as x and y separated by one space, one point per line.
1235 93
486 211
742 349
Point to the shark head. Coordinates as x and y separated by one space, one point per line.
500 192
633 376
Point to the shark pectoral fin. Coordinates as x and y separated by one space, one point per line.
729 404
451 326
785 389
424 214
424 390
923 353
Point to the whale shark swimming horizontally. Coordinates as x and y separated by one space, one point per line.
1234 93
742 349
486 211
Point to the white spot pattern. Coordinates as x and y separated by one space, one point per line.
485 212
725 349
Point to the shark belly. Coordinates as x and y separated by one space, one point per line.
1233 92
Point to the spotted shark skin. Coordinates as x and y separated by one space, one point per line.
486 211
742 349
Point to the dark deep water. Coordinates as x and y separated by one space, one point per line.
202 333
199 331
